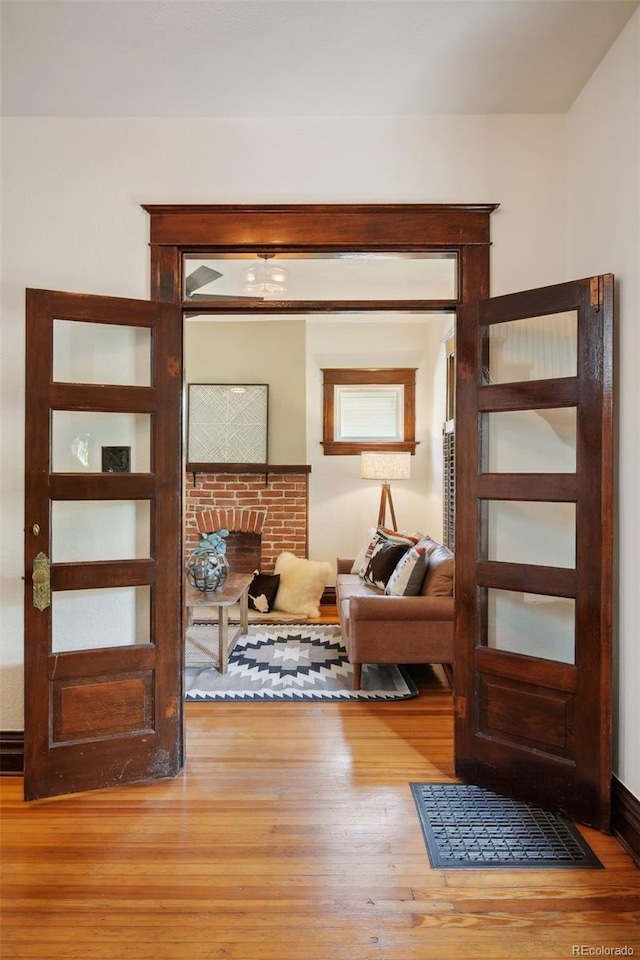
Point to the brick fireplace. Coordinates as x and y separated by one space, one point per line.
265 514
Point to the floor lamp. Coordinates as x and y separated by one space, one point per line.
385 467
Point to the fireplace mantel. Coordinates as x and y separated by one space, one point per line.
248 468
262 468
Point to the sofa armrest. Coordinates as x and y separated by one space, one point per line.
401 608
344 564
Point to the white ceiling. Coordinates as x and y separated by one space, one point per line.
312 58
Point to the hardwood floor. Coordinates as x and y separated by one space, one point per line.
292 835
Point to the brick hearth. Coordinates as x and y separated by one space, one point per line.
274 512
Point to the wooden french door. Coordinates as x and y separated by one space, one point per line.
534 443
103 651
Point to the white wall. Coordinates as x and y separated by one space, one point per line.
72 220
604 235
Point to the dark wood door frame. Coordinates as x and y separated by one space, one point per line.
206 229
177 229
303 228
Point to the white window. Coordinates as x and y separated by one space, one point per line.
369 412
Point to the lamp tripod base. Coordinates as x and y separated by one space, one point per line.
385 498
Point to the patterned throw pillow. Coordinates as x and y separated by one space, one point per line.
407 578
384 560
262 591
364 553
380 536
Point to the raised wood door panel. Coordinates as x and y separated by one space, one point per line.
534 595
103 657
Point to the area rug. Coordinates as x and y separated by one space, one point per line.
288 663
467 826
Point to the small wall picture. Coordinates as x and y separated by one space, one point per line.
116 459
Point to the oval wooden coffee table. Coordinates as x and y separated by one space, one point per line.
234 589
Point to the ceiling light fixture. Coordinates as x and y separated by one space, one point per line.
264 279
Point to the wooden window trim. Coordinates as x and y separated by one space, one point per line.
357 376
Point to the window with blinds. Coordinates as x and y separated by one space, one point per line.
371 412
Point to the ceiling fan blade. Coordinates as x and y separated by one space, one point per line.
199 278
220 296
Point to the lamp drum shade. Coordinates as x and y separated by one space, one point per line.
385 466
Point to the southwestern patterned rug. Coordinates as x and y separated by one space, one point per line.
285 662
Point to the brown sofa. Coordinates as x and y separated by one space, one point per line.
387 629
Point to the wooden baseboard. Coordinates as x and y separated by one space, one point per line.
625 819
11 753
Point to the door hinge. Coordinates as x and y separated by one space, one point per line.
461 707
596 292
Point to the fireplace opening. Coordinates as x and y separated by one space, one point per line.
244 551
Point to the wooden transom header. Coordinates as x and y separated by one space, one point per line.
178 228
327 225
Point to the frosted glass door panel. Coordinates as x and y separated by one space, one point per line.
101 353
92 619
83 531
530 624
529 441
526 532
79 441
353 276
534 348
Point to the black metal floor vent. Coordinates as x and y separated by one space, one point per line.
467 826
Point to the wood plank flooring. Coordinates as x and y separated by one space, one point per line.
292 835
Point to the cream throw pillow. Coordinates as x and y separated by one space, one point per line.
302 583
